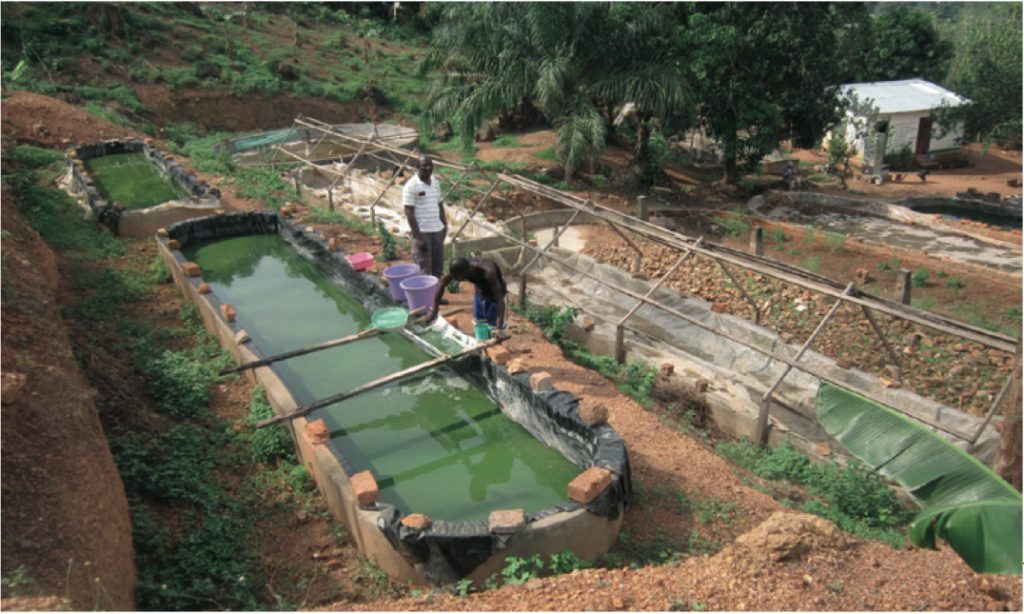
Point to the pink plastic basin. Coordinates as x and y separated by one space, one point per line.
419 291
394 275
361 261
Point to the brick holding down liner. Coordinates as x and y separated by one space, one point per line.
541 381
365 488
192 269
498 355
418 522
317 432
228 312
506 521
588 485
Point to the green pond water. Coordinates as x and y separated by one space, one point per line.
436 444
131 180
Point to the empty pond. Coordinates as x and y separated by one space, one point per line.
436 444
130 179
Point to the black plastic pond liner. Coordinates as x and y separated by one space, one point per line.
448 550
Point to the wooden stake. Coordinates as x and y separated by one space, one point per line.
377 383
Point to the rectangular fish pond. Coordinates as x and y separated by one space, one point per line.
134 188
473 449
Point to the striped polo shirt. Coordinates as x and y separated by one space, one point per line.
425 198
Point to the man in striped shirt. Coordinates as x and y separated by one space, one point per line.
427 221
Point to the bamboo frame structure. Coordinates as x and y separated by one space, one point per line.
624 224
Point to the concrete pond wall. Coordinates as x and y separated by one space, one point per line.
728 377
443 551
203 199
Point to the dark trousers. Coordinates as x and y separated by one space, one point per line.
429 253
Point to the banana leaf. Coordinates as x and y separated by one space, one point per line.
965 503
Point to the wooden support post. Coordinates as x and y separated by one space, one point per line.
906 286
620 350
750 301
638 259
330 199
761 429
472 211
757 241
1014 374
298 190
885 342
641 207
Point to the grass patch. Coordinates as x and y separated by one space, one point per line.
855 498
919 278
736 224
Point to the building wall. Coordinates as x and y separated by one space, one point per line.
903 134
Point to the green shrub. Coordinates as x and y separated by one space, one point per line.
180 383
736 225
389 250
638 380
954 283
566 562
33 157
782 463
919 278
267 444
519 571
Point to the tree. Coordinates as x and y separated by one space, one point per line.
904 43
764 71
987 70
576 62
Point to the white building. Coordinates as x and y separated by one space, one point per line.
901 118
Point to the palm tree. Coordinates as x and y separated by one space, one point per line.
576 62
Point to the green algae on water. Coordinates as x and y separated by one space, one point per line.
436 444
130 179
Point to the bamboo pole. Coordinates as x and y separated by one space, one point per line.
761 429
370 332
377 383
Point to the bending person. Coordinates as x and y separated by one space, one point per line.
491 296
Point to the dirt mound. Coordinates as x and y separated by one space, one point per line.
49 122
786 537
35 604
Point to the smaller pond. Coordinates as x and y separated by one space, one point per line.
130 179
1005 222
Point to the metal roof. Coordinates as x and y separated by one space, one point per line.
905 96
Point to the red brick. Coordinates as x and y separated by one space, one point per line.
516 366
192 269
542 381
589 484
667 368
161 232
499 355
317 432
173 244
593 412
417 522
506 521
701 386
719 307
228 312
365 488
204 288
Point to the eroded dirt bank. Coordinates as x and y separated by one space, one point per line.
65 516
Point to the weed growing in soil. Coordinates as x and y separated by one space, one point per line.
267 444
855 498
919 278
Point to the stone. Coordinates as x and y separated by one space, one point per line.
844 363
499 355
888 383
701 385
416 522
542 381
534 584
192 269
892 372
317 432
365 488
667 368
301 516
506 521
173 244
516 366
593 412
228 312
333 244
242 337
585 322
204 288
13 386
161 232
822 448
588 485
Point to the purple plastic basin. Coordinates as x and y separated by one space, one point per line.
394 274
419 291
